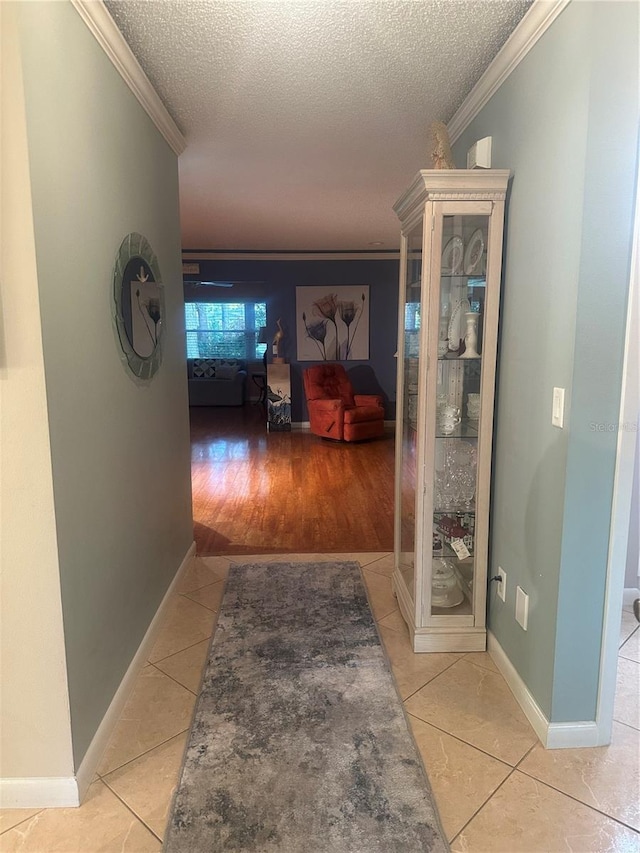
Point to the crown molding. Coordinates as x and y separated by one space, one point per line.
97 18
534 24
452 185
189 255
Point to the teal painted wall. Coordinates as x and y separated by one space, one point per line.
609 193
120 452
565 122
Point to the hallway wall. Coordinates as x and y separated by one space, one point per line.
565 122
35 735
120 453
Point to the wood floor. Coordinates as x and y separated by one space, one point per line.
286 492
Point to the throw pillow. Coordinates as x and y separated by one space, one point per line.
226 371
203 368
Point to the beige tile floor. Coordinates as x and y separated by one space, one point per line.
496 788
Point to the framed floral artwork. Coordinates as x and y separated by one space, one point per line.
332 323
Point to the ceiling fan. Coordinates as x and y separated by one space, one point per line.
219 283
211 283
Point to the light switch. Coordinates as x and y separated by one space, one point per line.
522 607
557 411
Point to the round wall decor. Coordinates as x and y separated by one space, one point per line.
139 305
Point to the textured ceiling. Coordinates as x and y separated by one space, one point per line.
306 120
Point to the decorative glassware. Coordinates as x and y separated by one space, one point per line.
473 406
467 486
457 482
471 335
445 589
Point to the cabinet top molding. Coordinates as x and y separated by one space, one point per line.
453 185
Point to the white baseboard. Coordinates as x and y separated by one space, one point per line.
91 760
630 594
47 792
573 735
523 697
552 735
68 791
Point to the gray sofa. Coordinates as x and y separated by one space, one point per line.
216 382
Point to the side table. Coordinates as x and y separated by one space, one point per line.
260 381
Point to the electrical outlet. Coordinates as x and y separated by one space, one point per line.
522 607
502 584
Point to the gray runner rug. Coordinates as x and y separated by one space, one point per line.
299 742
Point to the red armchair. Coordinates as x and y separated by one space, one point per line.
335 411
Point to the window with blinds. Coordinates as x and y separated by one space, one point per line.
225 329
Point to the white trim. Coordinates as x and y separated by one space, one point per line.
68 791
573 735
534 24
91 760
471 640
47 792
551 735
469 185
405 602
629 595
391 255
97 18
622 491
523 696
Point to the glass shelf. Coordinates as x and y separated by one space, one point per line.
479 277
457 358
467 428
455 510
480 280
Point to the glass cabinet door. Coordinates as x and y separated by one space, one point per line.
407 460
454 410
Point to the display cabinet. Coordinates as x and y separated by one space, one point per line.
450 268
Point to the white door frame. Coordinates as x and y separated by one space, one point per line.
622 489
